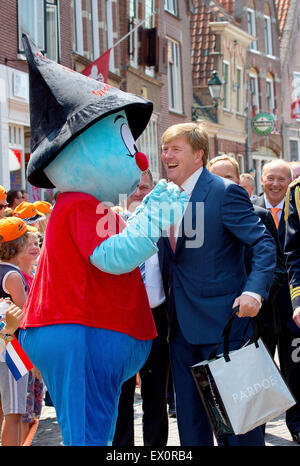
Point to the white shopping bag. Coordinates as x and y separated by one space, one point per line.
242 389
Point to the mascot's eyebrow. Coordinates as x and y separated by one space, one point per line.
119 116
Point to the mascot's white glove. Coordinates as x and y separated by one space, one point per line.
160 209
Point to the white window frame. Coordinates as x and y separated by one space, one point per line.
252 27
51 6
133 38
270 95
254 100
226 85
172 7
241 162
78 29
174 77
149 5
16 141
148 143
110 34
296 86
298 147
268 36
239 91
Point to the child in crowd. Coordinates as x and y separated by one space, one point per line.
13 241
35 390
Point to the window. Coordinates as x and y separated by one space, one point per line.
254 98
241 162
149 23
86 33
294 149
133 38
251 27
174 77
16 156
148 143
171 6
31 21
268 35
239 90
39 18
270 95
52 30
226 86
296 86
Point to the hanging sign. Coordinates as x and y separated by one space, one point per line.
263 124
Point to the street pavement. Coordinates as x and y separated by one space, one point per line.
48 433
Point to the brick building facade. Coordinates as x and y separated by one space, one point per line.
288 15
75 33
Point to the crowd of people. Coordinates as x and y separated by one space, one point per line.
22 227
247 258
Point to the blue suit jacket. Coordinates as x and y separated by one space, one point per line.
204 280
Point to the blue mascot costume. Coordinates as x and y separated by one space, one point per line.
87 325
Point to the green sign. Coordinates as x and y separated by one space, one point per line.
263 124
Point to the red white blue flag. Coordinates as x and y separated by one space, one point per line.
17 360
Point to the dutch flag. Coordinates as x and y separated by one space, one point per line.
17 360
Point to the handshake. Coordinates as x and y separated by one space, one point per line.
160 209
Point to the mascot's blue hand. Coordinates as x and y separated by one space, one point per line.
164 206
123 252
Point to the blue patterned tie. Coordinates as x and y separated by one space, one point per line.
143 271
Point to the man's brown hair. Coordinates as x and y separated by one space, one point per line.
195 134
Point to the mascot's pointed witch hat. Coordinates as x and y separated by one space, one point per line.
63 103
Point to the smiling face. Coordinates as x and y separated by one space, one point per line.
275 180
32 250
179 159
100 161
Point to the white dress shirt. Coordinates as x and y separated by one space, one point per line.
153 282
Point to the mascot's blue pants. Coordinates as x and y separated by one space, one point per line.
84 369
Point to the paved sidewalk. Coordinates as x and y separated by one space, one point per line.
48 433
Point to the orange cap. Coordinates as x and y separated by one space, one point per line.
43 206
13 228
28 212
3 194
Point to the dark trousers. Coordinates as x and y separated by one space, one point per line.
287 343
193 424
154 381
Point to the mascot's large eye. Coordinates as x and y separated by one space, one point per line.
128 140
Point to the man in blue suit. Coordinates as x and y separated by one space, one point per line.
204 264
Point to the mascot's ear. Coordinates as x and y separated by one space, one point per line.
63 103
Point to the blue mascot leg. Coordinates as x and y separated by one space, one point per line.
84 369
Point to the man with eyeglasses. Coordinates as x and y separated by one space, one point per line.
3 203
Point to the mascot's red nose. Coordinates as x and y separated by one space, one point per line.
141 161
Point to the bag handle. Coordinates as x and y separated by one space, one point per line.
226 333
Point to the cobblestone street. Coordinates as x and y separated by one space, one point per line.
48 433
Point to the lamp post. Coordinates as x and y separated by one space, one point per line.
215 87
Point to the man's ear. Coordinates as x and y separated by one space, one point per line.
199 155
